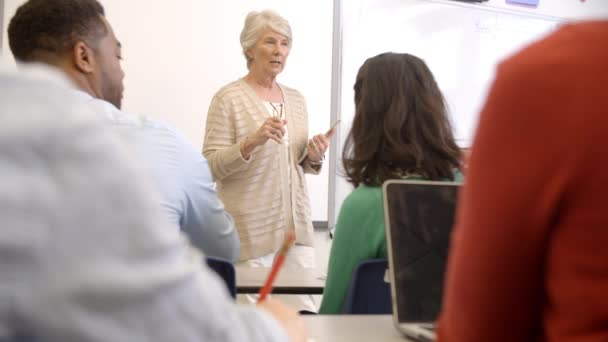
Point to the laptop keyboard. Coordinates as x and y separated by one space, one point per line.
429 326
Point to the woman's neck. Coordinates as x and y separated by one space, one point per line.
260 81
265 87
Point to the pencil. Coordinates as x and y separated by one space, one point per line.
289 238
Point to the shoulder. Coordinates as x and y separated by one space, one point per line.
292 93
361 216
289 90
143 123
361 199
154 136
295 101
121 118
170 141
232 89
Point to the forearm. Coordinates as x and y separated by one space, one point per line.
246 147
224 160
204 218
311 167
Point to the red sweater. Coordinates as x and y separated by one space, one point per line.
529 255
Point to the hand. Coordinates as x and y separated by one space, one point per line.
288 318
273 128
316 147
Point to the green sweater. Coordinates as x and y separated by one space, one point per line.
360 235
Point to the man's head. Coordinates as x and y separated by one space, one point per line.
74 36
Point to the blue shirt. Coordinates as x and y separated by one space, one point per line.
186 185
85 252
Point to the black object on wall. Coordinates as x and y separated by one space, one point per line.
471 0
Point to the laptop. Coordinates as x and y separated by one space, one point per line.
419 216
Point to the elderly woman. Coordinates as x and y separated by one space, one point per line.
256 141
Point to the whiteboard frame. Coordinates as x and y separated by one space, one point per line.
501 10
336 110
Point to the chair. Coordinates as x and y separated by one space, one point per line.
369 293
225 269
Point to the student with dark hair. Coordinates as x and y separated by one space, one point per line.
59 26
74 37
528 260
400 131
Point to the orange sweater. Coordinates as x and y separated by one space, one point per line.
529 258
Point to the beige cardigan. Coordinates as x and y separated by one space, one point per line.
255 191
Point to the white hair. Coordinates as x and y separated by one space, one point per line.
255 25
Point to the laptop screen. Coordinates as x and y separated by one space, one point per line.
419 216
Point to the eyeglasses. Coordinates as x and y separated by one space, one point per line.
277 112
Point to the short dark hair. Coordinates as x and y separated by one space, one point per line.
54 26
401 124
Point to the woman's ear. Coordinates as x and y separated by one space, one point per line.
83 57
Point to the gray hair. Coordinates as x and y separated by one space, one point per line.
256 23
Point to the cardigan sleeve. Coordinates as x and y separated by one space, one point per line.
309 168
306 164
220 147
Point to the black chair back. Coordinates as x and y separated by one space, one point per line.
369 293
225 269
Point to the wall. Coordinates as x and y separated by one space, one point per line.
178 53
7 9
1 25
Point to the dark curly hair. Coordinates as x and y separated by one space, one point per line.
43 27
401 124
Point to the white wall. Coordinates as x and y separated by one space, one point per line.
9 9
4 18
1 25
177 54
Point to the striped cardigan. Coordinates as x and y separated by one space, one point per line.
256 191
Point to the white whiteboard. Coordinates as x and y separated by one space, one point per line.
462 45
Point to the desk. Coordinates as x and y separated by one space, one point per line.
352 328
303 281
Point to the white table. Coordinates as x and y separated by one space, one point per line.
302 281
352 328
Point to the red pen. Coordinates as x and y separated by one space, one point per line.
289 238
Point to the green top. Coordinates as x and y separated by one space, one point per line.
360 235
